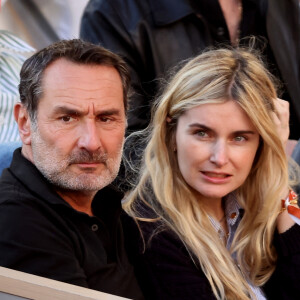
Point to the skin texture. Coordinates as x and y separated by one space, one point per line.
77 140
215 155
232 11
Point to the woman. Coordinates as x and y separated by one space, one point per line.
208 200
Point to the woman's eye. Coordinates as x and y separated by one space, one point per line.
240 138
201 133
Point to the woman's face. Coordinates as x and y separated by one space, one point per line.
216 145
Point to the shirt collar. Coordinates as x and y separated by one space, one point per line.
232 209
108 198
233 213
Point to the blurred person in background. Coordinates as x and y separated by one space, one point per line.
154 35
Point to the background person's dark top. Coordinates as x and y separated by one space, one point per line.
165 271
154 35
42 234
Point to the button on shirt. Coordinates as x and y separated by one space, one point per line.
234 214
94 227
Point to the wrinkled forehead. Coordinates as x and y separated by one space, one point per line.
74 83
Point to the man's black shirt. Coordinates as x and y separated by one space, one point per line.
43 235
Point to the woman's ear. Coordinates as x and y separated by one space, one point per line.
24 124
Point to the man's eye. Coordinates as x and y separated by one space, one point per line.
66 118
104 119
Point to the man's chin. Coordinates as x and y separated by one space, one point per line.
83 181
88 169
82 186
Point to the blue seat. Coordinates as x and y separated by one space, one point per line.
6 153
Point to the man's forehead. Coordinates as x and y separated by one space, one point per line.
66 78
63 68
84 88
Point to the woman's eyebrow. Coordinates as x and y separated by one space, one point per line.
244 132
199 125
205 127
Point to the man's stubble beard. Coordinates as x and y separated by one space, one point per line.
57 170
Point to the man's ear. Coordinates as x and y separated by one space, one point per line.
24 124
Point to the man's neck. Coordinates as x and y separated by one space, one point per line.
80 201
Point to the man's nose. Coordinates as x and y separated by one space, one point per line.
89 136
219 153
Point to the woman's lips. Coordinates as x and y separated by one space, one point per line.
216 177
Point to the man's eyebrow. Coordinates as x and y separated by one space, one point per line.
108 112
202 126
66 110
74 111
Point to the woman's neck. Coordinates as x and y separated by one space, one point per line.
213 206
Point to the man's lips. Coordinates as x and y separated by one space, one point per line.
88 164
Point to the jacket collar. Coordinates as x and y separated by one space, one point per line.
165 12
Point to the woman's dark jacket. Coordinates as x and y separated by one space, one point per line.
165 270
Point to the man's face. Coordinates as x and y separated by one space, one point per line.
78 137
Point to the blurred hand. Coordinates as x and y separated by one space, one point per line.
281 118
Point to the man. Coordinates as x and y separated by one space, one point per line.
59 216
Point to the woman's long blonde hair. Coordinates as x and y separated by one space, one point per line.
213 77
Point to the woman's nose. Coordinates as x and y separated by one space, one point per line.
219 153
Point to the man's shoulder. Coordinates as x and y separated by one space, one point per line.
16 200
24 212
23 203
23 182
11 189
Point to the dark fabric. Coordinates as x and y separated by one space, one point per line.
165 270
154 35
43 235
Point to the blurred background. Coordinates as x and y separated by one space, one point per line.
41 22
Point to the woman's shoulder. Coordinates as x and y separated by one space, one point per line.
151 235
164 267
